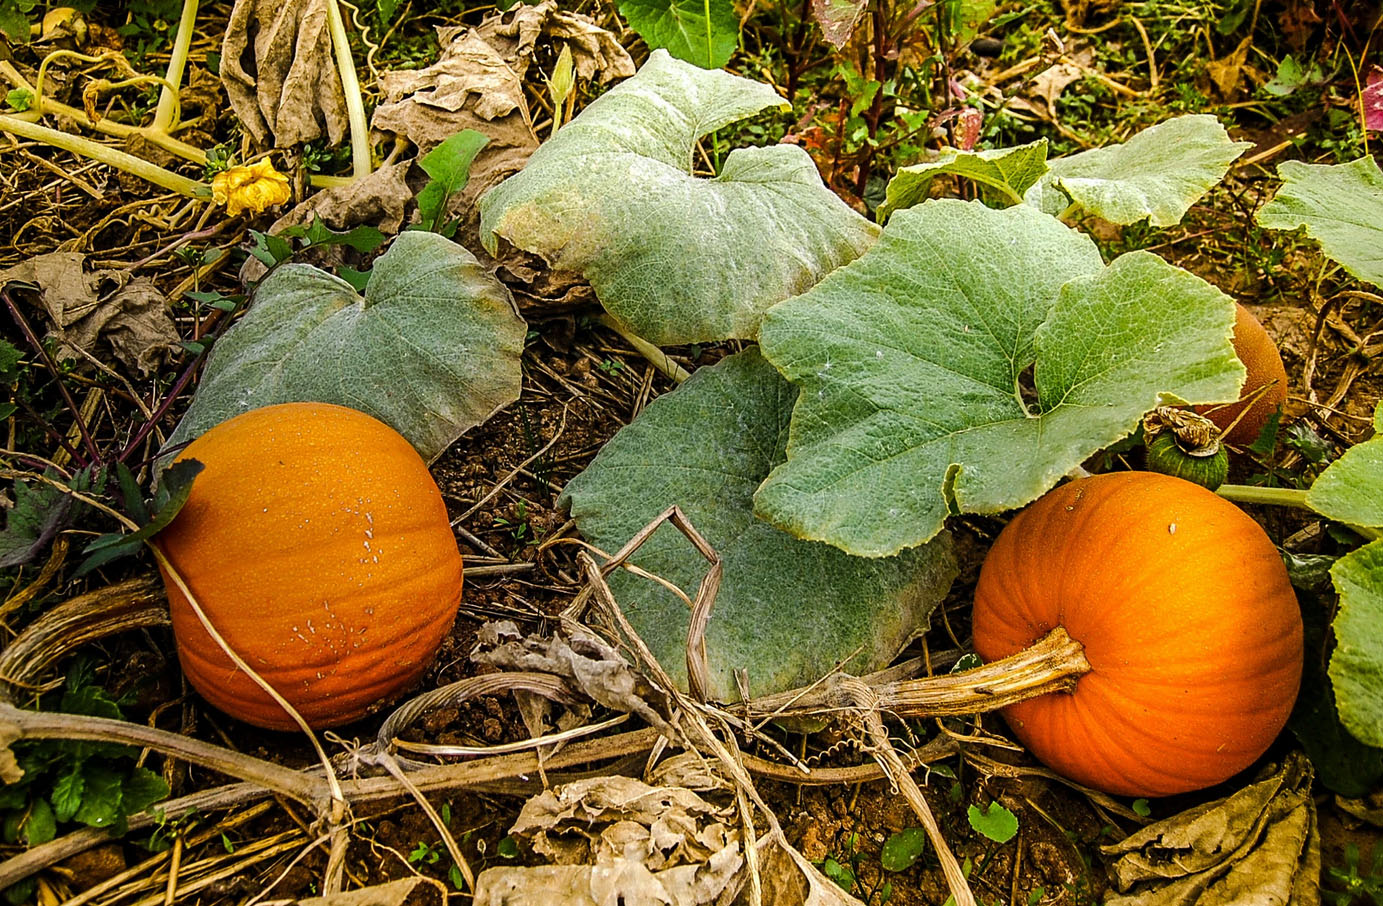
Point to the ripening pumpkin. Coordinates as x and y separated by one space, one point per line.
1266 383
1188 620
318 545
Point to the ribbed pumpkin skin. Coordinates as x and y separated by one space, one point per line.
1263 362
318 544
1187 618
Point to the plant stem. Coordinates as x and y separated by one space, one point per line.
168 99
350 85
93 452
106 155
1293 497
1240 493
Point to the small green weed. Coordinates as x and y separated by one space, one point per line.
1355 886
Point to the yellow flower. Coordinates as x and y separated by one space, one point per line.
253 188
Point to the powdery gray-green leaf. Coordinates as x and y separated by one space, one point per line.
1341 207
1004 175
788 610
1156 175
678 258
1351 488
431 350
703 32
912 364
1356 667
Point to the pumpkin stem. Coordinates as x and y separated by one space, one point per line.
1051 664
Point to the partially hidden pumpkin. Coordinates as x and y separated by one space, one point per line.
1189 623
1265 387
318 545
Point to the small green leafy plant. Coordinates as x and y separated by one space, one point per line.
68 782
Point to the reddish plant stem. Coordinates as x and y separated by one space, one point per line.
94 454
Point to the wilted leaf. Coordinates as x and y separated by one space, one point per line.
619 840
280 73
596 53
837 18
1156 175
378 200
702 32
913 365
1340 205
591 665
788 611
130 316
679 259
1373 100
392 893
432 349
1260 845
1003 174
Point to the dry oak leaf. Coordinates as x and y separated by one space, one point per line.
280 74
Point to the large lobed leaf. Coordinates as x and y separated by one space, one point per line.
1351 490
431 350
913 368
1341 207
678 258
1156 175
1356 667
788 610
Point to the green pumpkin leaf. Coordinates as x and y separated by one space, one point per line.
1156 175
1351 488
1003 175
703 32
1356 667
1341 207
678 258
913 365
449 165
995 822
788 610
432 348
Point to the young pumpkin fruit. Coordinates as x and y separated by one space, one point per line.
1189 623
1265 388
318 545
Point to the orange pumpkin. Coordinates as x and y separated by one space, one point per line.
1266 384
1188 620
318 545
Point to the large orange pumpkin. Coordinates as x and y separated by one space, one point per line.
317 543
1189 623
1265 385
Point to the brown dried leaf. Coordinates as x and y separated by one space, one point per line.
592 666
10 771
1259 845
596 53
790 880
1228 71
280 73
84 307
619 840
379 199
394 893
